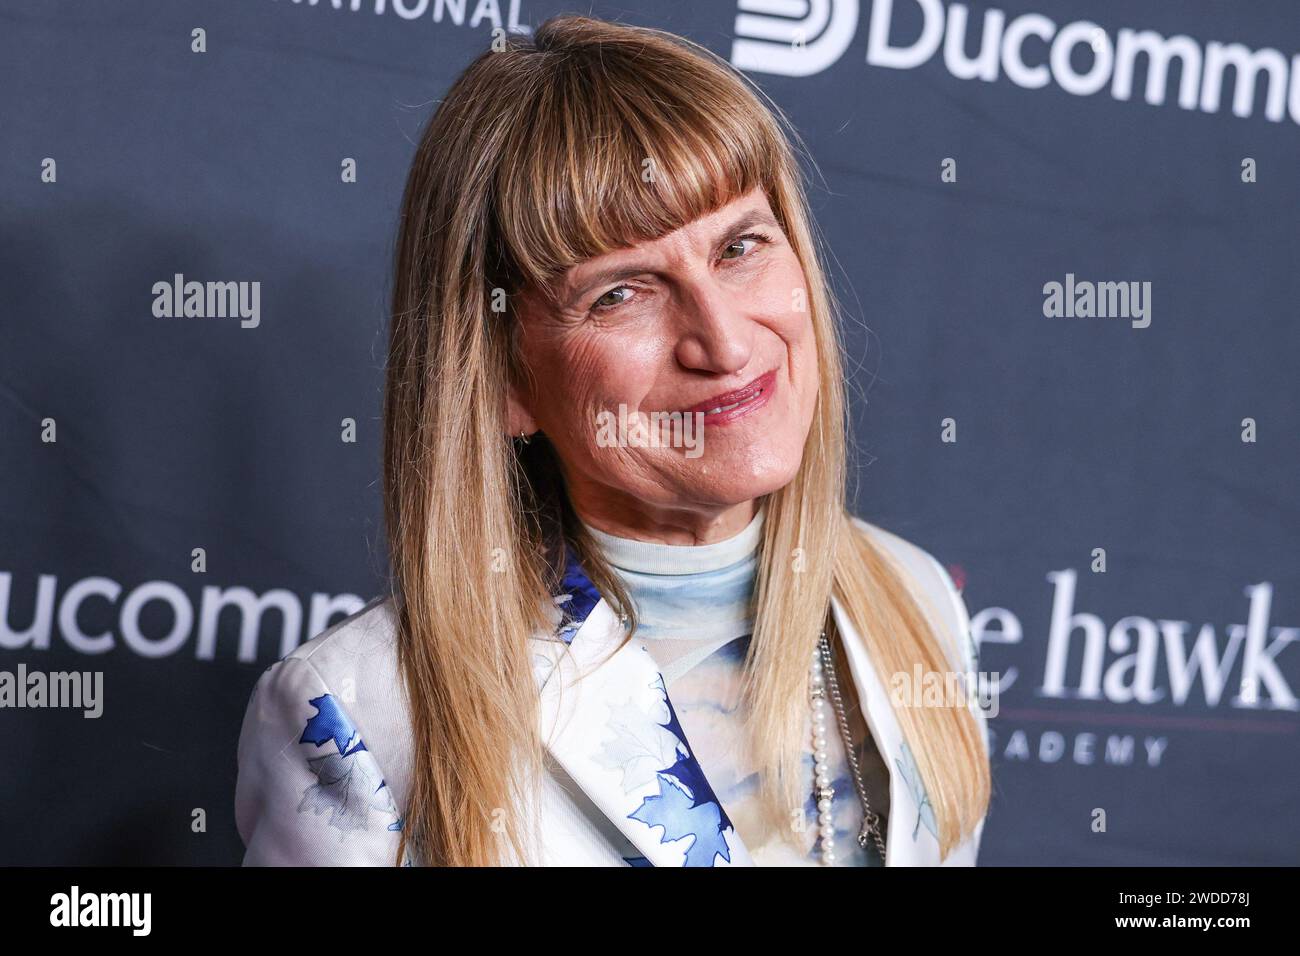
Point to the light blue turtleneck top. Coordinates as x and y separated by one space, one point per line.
694 607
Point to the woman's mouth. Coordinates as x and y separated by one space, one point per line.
729 406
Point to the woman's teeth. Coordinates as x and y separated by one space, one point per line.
727 408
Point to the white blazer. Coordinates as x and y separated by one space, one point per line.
325 748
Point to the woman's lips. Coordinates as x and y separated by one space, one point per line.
729 406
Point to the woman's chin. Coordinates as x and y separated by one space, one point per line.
733 487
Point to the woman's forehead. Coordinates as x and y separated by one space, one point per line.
742 212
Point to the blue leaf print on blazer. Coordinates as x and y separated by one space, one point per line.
697 813
577 597
916 786
331 723
349 783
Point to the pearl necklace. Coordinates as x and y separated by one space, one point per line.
822 679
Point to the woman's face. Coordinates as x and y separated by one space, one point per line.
710 321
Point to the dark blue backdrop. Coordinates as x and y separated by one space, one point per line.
1073 434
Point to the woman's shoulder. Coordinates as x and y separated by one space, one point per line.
931 582
324 749
360 648
916 559
934 587
350 668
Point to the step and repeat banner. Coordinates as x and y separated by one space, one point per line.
1066 236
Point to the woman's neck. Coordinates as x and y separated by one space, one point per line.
702 592
640 556
686 525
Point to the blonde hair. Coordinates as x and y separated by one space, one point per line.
533 162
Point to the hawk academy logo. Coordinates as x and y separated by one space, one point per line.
803 38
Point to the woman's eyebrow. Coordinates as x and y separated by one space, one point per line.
572 291
753 217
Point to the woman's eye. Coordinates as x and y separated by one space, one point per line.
740 241
606 304
601 303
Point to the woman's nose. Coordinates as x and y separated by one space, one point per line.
715 330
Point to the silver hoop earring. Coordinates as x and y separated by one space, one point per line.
524 438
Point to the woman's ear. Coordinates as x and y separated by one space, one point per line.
519 405
519 416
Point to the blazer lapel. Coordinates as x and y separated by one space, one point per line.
911 837
607 719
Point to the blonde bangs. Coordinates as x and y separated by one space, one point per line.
625 150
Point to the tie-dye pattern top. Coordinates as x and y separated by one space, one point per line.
695 617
